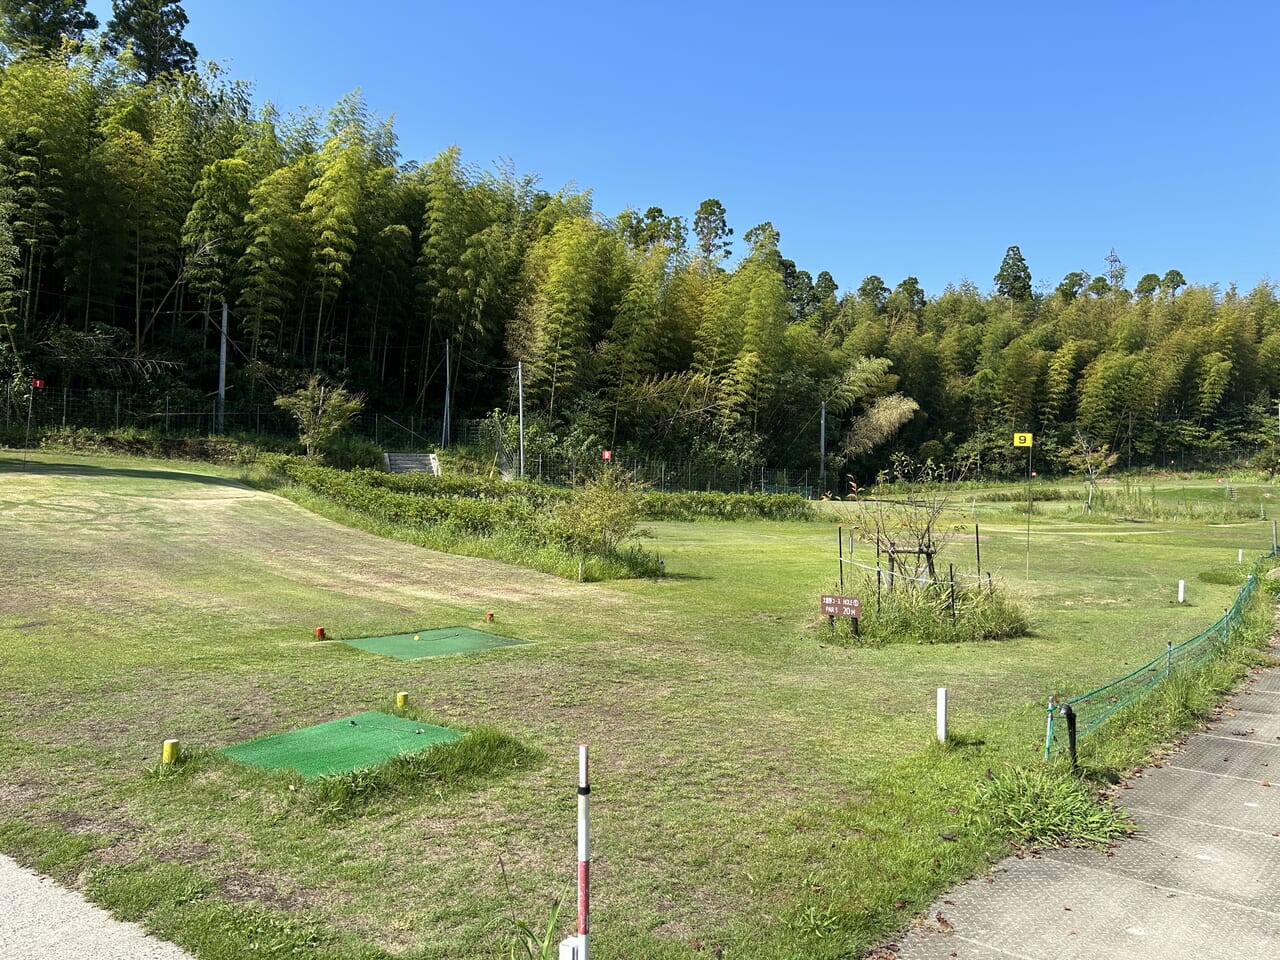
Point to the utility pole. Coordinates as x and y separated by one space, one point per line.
222 374
444 431
520 391
822 450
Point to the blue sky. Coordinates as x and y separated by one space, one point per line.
889 138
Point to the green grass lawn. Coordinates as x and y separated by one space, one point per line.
755 789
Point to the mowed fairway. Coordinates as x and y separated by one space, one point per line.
731 750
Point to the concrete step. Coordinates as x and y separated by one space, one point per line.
412 463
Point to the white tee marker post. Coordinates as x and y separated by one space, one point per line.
576 947
942 714
1182 591
584 853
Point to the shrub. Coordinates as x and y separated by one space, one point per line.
347 452
601 515
923 614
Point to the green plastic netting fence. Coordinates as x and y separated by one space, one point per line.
1092 709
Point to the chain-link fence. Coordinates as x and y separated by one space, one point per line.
109 409
666 475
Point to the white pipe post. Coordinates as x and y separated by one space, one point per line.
1182 591
520 390
942 714
584 855
822 451
222 374
1240 556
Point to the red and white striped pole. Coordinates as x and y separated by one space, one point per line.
584 854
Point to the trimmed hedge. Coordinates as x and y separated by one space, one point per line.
356 490
471 487
726 506
484 506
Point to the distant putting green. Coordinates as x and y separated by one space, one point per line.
340 746
432 643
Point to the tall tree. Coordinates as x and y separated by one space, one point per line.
38 26
874 292
153 30
274 262
713 232
1172 281
572 289
654 227
1071 285
1013 280
1115 270
1147 285
8 257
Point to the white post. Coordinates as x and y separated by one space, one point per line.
520 386
942 714
222 373
1240 556
584 855
1182 591
444 430
822 450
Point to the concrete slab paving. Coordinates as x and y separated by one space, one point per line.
44 921
1201 879
1199 797
1200 859
1042 909
1235 757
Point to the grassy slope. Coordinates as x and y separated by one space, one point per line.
753 789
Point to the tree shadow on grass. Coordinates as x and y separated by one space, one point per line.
11 464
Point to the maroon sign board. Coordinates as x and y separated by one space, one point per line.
842 607
38 384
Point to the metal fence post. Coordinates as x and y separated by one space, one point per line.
1048 727
1071 734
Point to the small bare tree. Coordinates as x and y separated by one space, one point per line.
1093 460
903 514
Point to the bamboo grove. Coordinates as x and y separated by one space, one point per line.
132 206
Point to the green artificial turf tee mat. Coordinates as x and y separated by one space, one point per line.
432 643
340 746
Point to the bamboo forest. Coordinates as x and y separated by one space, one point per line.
141 189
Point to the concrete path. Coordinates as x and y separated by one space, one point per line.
40 920
1201 879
